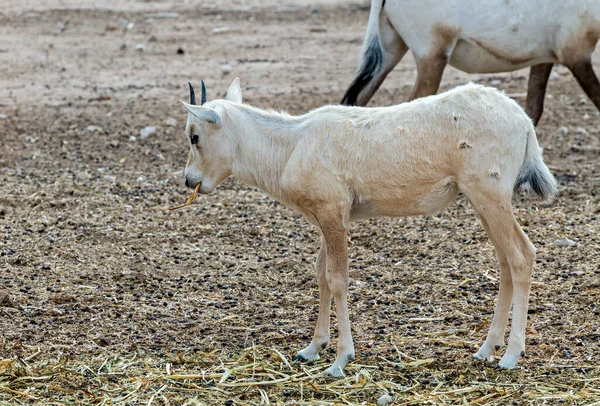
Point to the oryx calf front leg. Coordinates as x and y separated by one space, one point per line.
335 236
321 335
332 276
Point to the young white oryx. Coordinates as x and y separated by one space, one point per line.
337 164
479 37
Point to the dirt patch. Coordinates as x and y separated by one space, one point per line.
185 306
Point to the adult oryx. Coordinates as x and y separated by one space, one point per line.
479 37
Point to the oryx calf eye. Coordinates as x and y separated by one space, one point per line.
194 139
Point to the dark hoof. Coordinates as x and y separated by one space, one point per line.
300 358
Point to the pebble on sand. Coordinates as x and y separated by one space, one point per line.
564 242
147 131
226 69
385 400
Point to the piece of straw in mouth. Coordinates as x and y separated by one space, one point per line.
189 199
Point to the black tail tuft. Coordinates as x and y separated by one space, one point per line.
537 178
371 63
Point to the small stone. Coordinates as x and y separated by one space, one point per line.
220 29
180 51
564 242
140 47
162 15
152 38
171 122
93 129
147 131
123 46
385 400
5 299
226 69
580 130
62 298
114 143
3 116
563 131
132 138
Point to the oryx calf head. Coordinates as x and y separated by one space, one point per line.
208 130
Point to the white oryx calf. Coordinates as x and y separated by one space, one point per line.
337 164
480 36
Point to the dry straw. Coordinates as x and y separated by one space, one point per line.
189 200
265 376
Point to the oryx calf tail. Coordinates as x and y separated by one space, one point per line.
534 173
371 60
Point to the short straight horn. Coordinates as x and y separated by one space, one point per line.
203 99
192 95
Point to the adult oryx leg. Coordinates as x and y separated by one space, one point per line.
584 73
510 239
380 54
432 60
321 335
429 75
536 90
331 220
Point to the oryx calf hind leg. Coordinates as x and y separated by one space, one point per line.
321 334
508 237
495 337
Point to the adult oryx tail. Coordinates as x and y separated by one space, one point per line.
371 55
534 172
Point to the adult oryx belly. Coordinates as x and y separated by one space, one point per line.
476 56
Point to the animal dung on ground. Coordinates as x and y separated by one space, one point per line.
189 199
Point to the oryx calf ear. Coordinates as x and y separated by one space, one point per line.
234 93
204 113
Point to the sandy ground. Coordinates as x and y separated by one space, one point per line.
91 263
